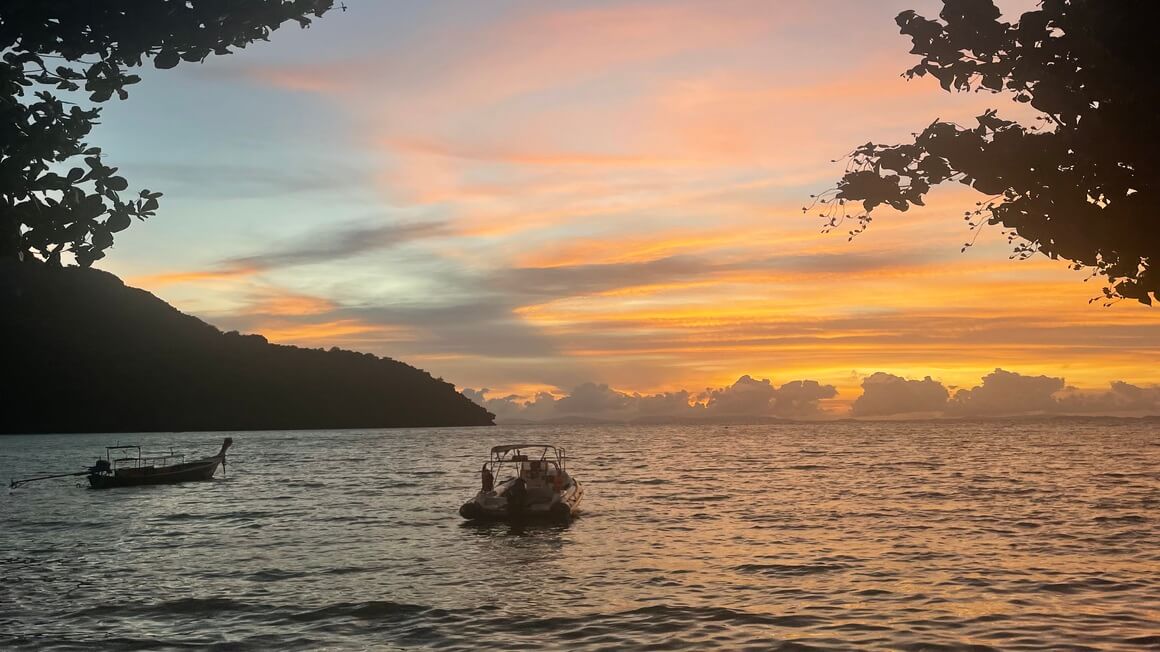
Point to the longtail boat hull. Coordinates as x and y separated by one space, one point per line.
135 472
198 471
120 468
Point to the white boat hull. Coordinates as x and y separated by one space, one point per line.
544 506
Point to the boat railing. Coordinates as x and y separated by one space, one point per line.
514 454
522 469
142 459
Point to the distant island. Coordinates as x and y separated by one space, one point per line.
83 352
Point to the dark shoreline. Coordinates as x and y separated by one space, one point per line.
85 353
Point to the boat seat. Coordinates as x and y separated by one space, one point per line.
535 469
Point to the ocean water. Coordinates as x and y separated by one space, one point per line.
1021 535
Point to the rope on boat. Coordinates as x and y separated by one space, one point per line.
15 484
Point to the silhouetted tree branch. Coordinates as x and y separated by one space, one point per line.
1082 185
61 58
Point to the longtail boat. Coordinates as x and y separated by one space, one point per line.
120 467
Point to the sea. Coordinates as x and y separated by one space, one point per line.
935 535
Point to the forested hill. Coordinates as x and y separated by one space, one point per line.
82 352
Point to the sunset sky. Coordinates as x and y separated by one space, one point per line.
531 196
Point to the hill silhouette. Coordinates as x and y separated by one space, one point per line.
83 352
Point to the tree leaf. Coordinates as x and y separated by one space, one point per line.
166 59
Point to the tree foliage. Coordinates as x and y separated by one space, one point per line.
1082 184
59 59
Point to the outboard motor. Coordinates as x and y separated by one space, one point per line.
101 466
517 498
560 513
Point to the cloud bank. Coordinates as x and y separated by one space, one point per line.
885 394
748 398
1006 392
1000 393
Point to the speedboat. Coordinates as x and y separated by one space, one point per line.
535 486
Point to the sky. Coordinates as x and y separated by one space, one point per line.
601 202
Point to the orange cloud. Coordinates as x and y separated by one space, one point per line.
324 80
280 303
196 276
328 333
514 156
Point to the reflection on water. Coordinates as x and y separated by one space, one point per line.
548 531
1019 535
